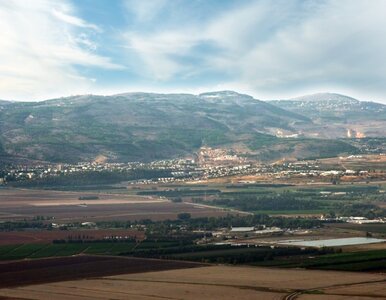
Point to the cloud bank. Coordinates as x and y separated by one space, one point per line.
275 47
43 46
271 49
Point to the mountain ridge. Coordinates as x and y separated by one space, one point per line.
150 126
135 126
323 96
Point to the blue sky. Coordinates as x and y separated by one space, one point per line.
270 49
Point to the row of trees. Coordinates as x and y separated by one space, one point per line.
92 178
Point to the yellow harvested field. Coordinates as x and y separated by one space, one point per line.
18 197
63 206
333 297
370 289
213 282
134 290
101 201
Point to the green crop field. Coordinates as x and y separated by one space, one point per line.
66 249
6 249
121 248
374 228
292 212
71 249
98 248
354 261
155 245
202 255
47 251
378 265
22 251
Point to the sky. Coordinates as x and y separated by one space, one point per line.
269 49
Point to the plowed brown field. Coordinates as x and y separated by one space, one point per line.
17 204
213 282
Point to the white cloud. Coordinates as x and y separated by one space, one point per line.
272 49
340 44
277 47
72 20
159 52
145 10
42 43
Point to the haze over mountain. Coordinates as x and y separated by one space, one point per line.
333 103
338 115
146 126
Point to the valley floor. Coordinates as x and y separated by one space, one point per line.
212 282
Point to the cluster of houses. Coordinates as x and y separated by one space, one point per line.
241 232
353 220
208 163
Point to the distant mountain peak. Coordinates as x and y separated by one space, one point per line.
5 101
222 94
324 97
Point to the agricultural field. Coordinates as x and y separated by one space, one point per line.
65 207
329 258
23 272
369 261
173 244
77 247
209 282
359 162
379 229
279 199
47 236
282 256
32 251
